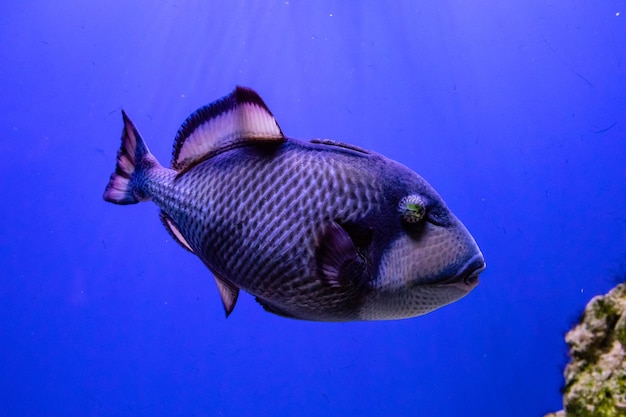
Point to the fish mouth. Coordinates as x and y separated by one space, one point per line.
467 277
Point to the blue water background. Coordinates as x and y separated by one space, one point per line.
514 111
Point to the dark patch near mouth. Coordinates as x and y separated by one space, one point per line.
471 280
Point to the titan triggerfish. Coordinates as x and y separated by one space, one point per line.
315 230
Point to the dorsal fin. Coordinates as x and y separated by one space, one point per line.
331 142
238 117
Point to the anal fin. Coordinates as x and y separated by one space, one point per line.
229 293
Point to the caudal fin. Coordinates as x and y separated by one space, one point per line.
131 159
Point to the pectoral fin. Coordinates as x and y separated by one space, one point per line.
339 262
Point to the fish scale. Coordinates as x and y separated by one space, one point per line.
314 230
229 252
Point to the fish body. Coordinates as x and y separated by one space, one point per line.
315 230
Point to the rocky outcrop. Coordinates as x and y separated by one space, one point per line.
595 378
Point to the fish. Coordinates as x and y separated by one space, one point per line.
315 230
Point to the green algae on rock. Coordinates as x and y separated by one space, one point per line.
595 378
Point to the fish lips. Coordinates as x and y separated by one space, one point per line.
467 277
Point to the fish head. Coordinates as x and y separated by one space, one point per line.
430 261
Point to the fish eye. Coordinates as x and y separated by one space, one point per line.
412 209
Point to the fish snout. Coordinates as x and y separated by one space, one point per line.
467 277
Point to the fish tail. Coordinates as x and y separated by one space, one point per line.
133 159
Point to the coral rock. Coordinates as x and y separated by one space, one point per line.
595 378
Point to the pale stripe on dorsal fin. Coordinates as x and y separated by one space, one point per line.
174 232
238 117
